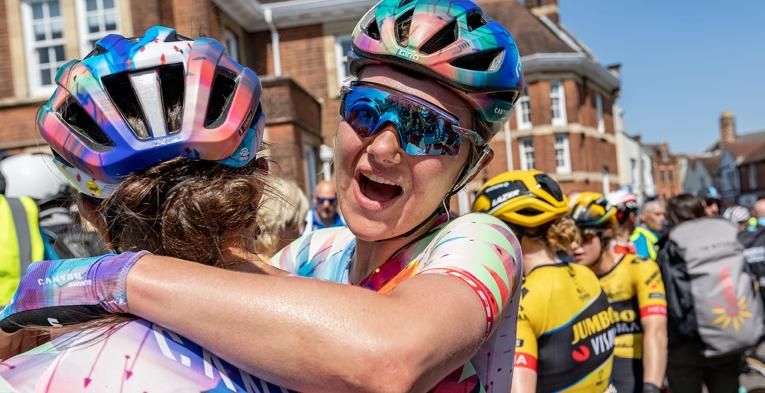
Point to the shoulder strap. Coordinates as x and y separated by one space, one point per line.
23 236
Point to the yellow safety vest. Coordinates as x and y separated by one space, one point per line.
20 242
652 242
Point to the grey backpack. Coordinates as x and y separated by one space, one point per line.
710 294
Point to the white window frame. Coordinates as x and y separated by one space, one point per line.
752 175
558 94
523 117
82 24
341 58
562 165
36 88
526 147
231 43
599 109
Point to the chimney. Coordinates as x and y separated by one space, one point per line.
727 128
548 8
615 69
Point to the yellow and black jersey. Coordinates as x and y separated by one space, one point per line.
635 290
565 329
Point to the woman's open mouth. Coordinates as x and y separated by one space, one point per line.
378 189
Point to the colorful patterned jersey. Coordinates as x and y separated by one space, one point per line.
476 248
635 290
565 330
139 356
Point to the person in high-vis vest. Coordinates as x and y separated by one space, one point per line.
646 235
20 242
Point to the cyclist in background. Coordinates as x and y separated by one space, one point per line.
627 209
636 292
415 129
646 236
565 337
711 200
738 215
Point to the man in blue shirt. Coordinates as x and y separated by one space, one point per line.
324 213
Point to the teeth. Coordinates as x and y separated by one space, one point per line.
378 179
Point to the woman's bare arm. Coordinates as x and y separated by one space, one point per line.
312 335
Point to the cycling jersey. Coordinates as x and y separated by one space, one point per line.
139 356
646 243
635 290
476 248
565 331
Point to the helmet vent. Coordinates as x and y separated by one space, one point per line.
173 88
403 23
475 20
220 98
480 61
124 98
529 212
84 126
447 36
550 186
372 30
97 50
404 2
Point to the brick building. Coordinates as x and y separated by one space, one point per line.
668 170
562 125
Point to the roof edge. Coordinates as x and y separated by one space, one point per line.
579 63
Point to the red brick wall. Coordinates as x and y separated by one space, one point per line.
18 126
6 76
145 14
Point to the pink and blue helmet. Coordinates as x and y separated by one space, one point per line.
452 41
111 114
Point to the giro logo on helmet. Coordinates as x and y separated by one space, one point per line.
408 54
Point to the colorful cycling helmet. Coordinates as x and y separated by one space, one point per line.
525 198
134 102
452 41
591 210
737 214
625 203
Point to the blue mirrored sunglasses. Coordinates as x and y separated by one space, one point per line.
423 128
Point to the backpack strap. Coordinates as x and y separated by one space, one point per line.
23 235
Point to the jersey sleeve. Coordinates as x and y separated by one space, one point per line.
526 350
483 252
651 295
289 258
303 256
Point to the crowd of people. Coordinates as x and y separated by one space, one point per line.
221 277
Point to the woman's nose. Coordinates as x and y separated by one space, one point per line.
385 148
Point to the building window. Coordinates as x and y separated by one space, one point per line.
96 18
671 177
44 40
752 173
526 147
662 177
342 47
557 103
524 111
231 42
599 107
562 156
633 171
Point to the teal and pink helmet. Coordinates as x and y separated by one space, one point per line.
452 41
135 102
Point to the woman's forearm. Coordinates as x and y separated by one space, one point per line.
308 334
654 349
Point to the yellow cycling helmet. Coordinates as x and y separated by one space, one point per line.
591 210
524 198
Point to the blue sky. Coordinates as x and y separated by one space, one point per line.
683 62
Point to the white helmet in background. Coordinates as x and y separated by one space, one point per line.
736 214
31 175
625 202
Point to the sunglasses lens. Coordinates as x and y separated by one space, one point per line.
362 117
422 130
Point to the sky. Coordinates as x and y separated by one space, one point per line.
683 63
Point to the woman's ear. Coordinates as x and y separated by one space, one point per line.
89 212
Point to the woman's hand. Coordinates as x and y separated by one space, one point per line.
61 292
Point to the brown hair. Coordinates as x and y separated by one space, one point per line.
180 208
684 207
561 234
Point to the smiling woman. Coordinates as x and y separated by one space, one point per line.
415 127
